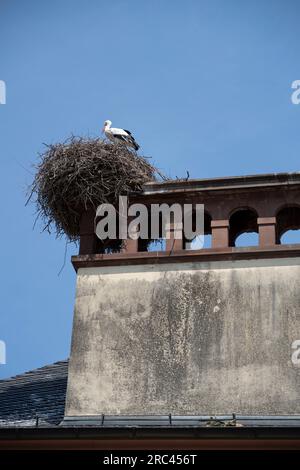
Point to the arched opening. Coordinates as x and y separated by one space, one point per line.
247 239
156 245
199 242
109 245
288 225
243 228
149 244
290 237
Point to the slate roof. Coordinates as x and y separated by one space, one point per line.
37 394
36 399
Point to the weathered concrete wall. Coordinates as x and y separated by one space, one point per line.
209 338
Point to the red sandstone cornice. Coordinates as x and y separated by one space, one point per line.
223 183
185 256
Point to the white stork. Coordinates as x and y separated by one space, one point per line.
119 135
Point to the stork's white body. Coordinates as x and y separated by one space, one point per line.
119 135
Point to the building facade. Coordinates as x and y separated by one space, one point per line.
175 340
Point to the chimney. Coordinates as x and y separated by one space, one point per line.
192 331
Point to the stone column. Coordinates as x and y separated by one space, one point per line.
220 233
174 242
88 238
131 245
267 231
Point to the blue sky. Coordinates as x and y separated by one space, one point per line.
205 85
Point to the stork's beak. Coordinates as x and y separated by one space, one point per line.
103 129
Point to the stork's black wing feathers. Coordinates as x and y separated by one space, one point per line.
130 138
135 144
121 137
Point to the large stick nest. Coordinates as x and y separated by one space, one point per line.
80 174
